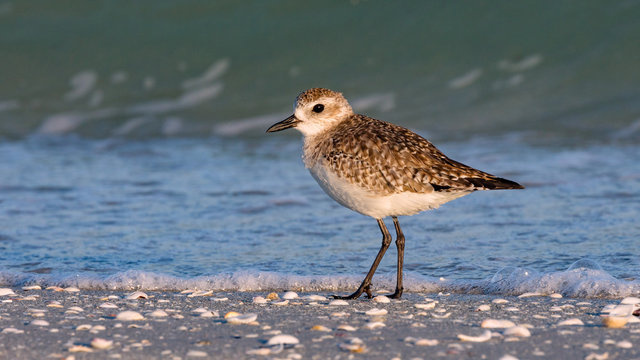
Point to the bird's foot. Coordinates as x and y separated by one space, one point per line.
357 294
396 295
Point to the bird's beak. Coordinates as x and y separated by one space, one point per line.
289 122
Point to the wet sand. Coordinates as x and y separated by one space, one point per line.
82 324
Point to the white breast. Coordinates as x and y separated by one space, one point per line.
378 206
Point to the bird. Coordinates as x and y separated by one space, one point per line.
378 169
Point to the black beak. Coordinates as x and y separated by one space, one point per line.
289 122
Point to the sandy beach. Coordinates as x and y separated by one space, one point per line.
69 323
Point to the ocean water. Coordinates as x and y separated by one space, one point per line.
133 153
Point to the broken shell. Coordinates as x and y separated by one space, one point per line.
427 306
520 331
374 325
496 324
31 287
555 296
272 296
280 303
315 298
129 316
485 336
570 322
242 319
421 342
230 314
100 343
338 302
320 328
353 345
483 307
614 322
6 291
259 300
283 340
71 289
376 312
499 301
108 305
201 293
290 295
382 299
158 313
137 295
79 348
40 322
346 328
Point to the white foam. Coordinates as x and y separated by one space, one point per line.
9 105
466 79
81 84
214 71
382 102
528 62
240 126
186 100
67 122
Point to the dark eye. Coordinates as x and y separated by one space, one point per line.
317 108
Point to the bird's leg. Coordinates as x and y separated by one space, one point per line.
400 246
366 283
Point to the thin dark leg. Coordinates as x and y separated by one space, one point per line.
366 283
400 246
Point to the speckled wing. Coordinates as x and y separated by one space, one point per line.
388 159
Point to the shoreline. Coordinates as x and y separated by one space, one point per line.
79 324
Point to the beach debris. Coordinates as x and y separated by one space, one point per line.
496 324
346 327
376 312
500 301
338 302
241 318
483 307
129 316
382 299
137 295
374 325
283 340
421 341
39 322
427 306
196 353
290 295
158 313
100 343
259 300
571 322
201 293
485 336
519 331
6 291
614 322
354 345
273 296
31 287
320 328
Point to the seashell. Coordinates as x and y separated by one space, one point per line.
421 342
100 343
32 287
137 295
338 302
71 289
508 357
625 344
441 316
242 319
40 322
201 293
320 328
346 328
55 288
108 305
530 294
272 296
227 315
315 298
374 325
79 348
614 322
290 295
483 307
259 300
353 345
207 314
261 351
555 296
496 324
11 330
285 340
6 291
129 316
376 312
570 322
55 304
520 331
196 353
630 300
280 303
76 309
83 327
621 310
485 336
158 313
427 306
499 301
590 346
512 309
221 299
382 299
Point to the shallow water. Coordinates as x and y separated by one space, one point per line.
245 214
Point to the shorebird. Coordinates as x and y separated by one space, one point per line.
377 168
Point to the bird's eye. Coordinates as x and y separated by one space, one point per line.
317 108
